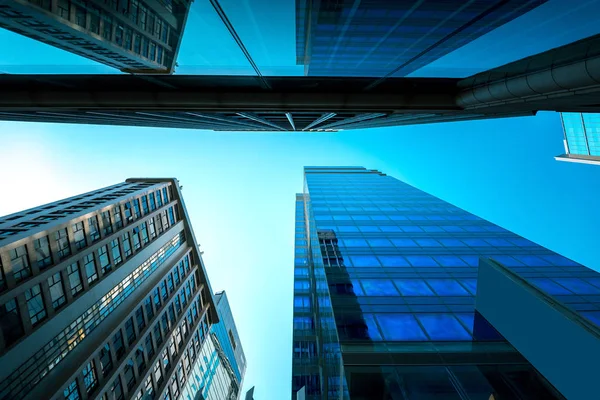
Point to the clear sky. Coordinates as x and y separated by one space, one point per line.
239 187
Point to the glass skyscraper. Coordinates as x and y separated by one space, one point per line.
582 137
391 38
384 294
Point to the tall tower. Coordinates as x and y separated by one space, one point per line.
139 36
385 280
381 38
103 295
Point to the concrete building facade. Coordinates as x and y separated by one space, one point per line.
137 36
102 295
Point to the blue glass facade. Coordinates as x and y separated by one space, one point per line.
229 339
396 268
582 136
380 38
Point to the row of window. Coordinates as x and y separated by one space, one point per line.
34 369
21 259
90 265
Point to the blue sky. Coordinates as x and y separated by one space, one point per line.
239 187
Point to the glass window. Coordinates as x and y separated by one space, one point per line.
447 287
103 260
171 215
428 243
149 346
89 265
533 261
129 375
35 305
10 322
443 327
126 245
148 307
450 261
116 252
577 286
117 217
136 208
19 261
365 261
42 252
404 243
378 287
145 208
390 228
57 292
151 228
105 360
152 201
130 331
144 232
72 391
379 243
62 241
413 287
90 380
159 201
139 318
135 234
74 279
94 229
393 261
470 284
402 327
118 345
106 223
79 235
421 261
116 389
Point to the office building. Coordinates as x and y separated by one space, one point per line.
582 138
385 278
220 373
250 394
391 38
137 36
258 103
103 295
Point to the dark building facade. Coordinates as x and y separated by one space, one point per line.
139 36
382 38
384 294
103 295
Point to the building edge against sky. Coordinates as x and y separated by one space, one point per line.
123 258
136 36
581 138
385 280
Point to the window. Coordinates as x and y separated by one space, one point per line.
145 208
144 231
139 360
117 217
57 292
231 339
157 374
80 15
170 283
151 228
159 201
64 9
107 31
443 327
74 279
35 305
139 318
413 287
116 389
106 223
135 234
402 327
156 298
165 360
20 263
128 36
119 33
2 279
163 290
10 322
90 381
118 345
159 223
116 252
137 44
157 335
79 235
171 216
149 346
129 375
130 331
152 201
126 245
128 212
105 360
42 251
95 20
103 260
136 208
447 287
89 265
72 391
379 287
